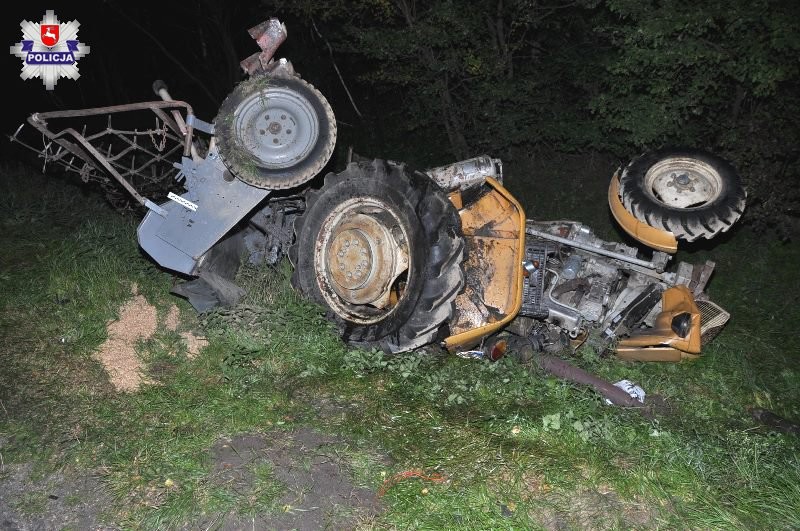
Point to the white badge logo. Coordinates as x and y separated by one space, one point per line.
49 49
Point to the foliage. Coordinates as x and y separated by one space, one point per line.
719 75
467 73
619 76
430 82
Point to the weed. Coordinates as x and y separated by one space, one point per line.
267 489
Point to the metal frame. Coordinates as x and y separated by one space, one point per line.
171 126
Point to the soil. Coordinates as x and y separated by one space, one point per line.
314 488
598 509
61 500
318 490
311 482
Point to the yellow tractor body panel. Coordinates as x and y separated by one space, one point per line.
658 239
662 343
649 354
494 237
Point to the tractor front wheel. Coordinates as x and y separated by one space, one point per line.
275 132
691 193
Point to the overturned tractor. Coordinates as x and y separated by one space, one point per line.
400 258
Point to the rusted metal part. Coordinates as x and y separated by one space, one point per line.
360 257
123 154
177 124
567 371
695 277
361 251
100 159
177 127
269 35
494 234
467 173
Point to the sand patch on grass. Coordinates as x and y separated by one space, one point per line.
173 318
138 320
194 344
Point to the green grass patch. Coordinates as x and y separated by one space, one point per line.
514 449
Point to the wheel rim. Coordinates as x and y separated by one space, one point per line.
362 258
683 182
277 126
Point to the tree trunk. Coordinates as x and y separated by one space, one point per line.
452 122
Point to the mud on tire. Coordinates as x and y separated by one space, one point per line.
691 193
425 229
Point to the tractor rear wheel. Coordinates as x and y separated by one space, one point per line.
381 249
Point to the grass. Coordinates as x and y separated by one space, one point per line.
516 449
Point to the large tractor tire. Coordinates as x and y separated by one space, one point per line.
275 132
691 193
381 249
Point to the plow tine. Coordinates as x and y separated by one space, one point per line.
118 154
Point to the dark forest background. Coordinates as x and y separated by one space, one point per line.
433 81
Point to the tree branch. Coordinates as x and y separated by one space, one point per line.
167 53
335 67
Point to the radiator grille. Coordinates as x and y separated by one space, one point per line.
712 320
533 288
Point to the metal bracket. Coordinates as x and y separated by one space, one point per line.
268 35
193 222
155 208
196 123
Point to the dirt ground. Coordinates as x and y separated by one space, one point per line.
61 500
315 489
317 493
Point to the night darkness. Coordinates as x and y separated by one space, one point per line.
124 61
442 83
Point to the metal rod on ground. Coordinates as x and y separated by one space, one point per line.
567 371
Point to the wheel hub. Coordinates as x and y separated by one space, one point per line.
350 259
681 180
683 183
361 253
277 126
